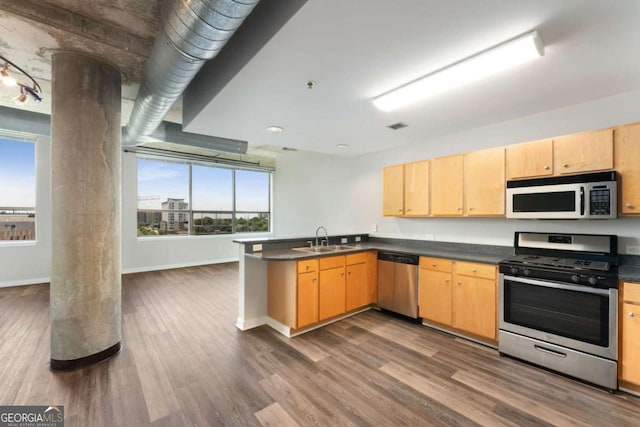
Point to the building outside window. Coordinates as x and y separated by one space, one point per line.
17 190
188 198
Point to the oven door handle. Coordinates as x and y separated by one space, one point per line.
544 283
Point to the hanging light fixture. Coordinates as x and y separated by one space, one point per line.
32 90
498 58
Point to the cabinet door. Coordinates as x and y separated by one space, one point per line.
630 345
446 186
435 296
332 293
357 290
474 305
627 163
393 190
307 299
416 188
583 152
484 182
372 277
530 159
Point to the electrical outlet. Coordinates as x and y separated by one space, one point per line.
344 240
257 248
374 228
358 239
633 250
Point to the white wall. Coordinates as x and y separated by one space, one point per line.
345 194
156 253
30 262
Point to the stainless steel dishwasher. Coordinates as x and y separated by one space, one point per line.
398 283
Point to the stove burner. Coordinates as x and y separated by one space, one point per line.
560 263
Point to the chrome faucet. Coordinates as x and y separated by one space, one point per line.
326 235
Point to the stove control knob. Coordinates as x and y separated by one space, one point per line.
514 270
575 278
526 271
592 280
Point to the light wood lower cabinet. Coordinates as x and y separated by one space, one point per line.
630 333
309 291
307 304
332 291
459 294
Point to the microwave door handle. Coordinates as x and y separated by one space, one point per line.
581 201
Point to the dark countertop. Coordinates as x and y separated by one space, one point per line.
630 273
460 252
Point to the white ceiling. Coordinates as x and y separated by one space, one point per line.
357 49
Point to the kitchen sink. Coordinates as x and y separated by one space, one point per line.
324 249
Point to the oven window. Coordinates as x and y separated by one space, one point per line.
578 315
559 201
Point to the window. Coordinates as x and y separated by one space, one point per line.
181 198
17 190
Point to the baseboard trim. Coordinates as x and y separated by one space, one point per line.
246 324
178 265
26 282
72 365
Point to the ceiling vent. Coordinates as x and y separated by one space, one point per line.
397 126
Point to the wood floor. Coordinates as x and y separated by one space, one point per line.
185 364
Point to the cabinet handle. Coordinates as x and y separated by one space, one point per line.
408 210
446 280
314 279
307 267
631 314
459 283
342 274
628 205
470 209
433 265
546 167
565 165
459 209
473 270
399 210
349 273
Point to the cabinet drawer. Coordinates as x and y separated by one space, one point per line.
307 265
331 262
436 264
631 292
473 269
358 258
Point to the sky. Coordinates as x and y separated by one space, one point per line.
212 187
17 174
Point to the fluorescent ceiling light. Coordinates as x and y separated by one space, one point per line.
487 62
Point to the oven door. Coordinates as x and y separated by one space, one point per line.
562 201
577 317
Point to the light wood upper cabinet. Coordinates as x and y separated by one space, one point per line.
393 190
627 161
405 189
484 182
447 186
530 159
416 188
630 333
583 152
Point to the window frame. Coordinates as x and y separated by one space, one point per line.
191 212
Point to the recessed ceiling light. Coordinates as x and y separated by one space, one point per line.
342 146
275 129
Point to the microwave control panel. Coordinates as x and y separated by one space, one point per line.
600 201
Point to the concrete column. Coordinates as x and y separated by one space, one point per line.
86 320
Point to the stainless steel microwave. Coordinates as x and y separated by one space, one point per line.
590 196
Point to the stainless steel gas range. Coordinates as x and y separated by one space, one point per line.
558 304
